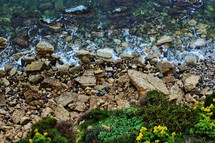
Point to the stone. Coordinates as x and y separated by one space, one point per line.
8 67
5 82
121 104
13 71
63 68
3 43
24 120
17 115
61 113
53 83
144 82
21 41
83 98
198 43
87 79
176 93
81 107
34 66
164 67
191 59
43 48
2 99
190 81
31 96
164 40
47 112
66 98
35 78
105 53
192 22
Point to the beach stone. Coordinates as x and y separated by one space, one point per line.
105 53
164 67
53 83
34 66
198 43
190 59
176 93
17 115
3 43
66 98
145 82
190 81
164 40
35 78
87 79
43 48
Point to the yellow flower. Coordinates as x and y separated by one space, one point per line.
214 100
30 141
196 103
202 108
45 133
36 130
194 108
157 141
146 142
210 114
139 137
143 129
211 106
203 103
173 134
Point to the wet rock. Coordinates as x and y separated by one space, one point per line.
34 66
3 43
144 82
66 98
190 81
190 60
87 79
8 67
2 99
105 53
164 67
13 71
198 43
35 78
21 41
17 115
192 22
4 82
63 68
164 40
44 48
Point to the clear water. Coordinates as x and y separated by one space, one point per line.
94 24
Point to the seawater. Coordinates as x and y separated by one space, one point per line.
130 21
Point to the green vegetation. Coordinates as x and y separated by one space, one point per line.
158 121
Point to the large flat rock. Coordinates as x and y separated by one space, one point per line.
146 82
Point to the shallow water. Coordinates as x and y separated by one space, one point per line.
126 26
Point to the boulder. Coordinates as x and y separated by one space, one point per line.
145 82
34 66
164 67
87 79
164 40
66 98
198 43
17 115
190 81
44 48
3 43
105 53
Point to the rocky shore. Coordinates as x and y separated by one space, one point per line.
43 86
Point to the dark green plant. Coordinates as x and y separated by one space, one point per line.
23 141
160 111
44 124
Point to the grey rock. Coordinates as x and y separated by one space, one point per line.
66 98
34 66
35 78
17 115
190 81
105 53
144 82
43 48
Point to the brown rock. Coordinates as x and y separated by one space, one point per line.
164 67
34 66
87 79
53 83
35 78
21 41
164 40
17 115
81 107
24 120
190 81
43 48
31 96
66 98
3 43
176 93
61 113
